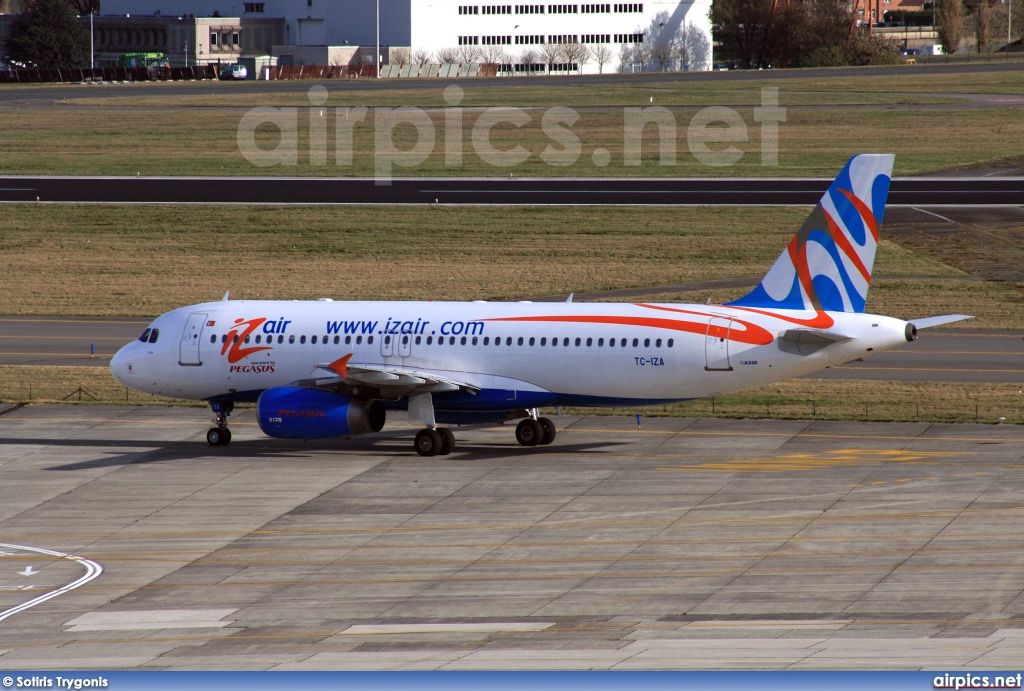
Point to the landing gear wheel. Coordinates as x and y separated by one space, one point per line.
218 436
447 441
427 442
549 431
529 432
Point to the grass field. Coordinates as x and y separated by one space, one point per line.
150 131
144 260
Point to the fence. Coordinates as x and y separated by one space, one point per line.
107 74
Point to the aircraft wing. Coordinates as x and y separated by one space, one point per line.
399 381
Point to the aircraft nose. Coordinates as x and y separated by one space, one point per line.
119 364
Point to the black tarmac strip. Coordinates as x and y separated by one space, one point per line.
517 191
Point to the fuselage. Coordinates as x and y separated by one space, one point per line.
595 354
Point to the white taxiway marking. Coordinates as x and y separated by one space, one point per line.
92 570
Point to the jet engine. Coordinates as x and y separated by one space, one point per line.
289 412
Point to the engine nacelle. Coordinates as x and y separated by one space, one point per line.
289 412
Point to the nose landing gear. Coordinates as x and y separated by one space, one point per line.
535 430
220 435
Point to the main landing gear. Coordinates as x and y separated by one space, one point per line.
220 435
438 441
535 430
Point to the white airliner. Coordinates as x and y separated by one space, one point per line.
322 369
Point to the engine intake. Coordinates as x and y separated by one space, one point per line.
289 412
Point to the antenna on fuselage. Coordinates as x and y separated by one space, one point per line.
227 294
569 299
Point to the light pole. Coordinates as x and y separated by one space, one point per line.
186 52
1009 21
377 57
92 41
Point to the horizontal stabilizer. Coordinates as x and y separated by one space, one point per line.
928 322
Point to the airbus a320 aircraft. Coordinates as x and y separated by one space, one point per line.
322 369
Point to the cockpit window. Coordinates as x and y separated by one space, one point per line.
155 334
145 335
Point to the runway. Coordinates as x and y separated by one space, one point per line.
687 544
918 191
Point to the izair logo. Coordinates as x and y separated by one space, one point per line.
236 338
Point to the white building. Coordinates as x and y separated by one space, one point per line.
658 34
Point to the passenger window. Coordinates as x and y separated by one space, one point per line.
369 339
213 338
508 341
418 340
280 339
554 341
430 340
348 340
359 340
520 340
302 339
451 341
565 342
647 343
544 341
531 340
623 344
657 344
577 342
224 338
590 342
258 339
387 340
235 339
463 340
247 339
636 342
313 340
474 340
487 340
291 339
153 335
600 342
670 342
145 335
611 342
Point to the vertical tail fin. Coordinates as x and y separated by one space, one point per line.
827 265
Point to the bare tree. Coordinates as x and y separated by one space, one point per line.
982 24
695 52
447 55
576 53
527 58
84 7
421 56
551 53
625 57
662 53
602 55
468 54
399 56
642 52
950 18
496 54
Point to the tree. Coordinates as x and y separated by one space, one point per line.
950 18
757 33
625 57
421 56
602 55
496 54
85 7
982 24
642 52
399 56
47 35
468 53
551 53
576 53
447 55
663 52
527 58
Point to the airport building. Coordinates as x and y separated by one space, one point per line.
634 36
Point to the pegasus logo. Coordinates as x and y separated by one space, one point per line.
236 338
